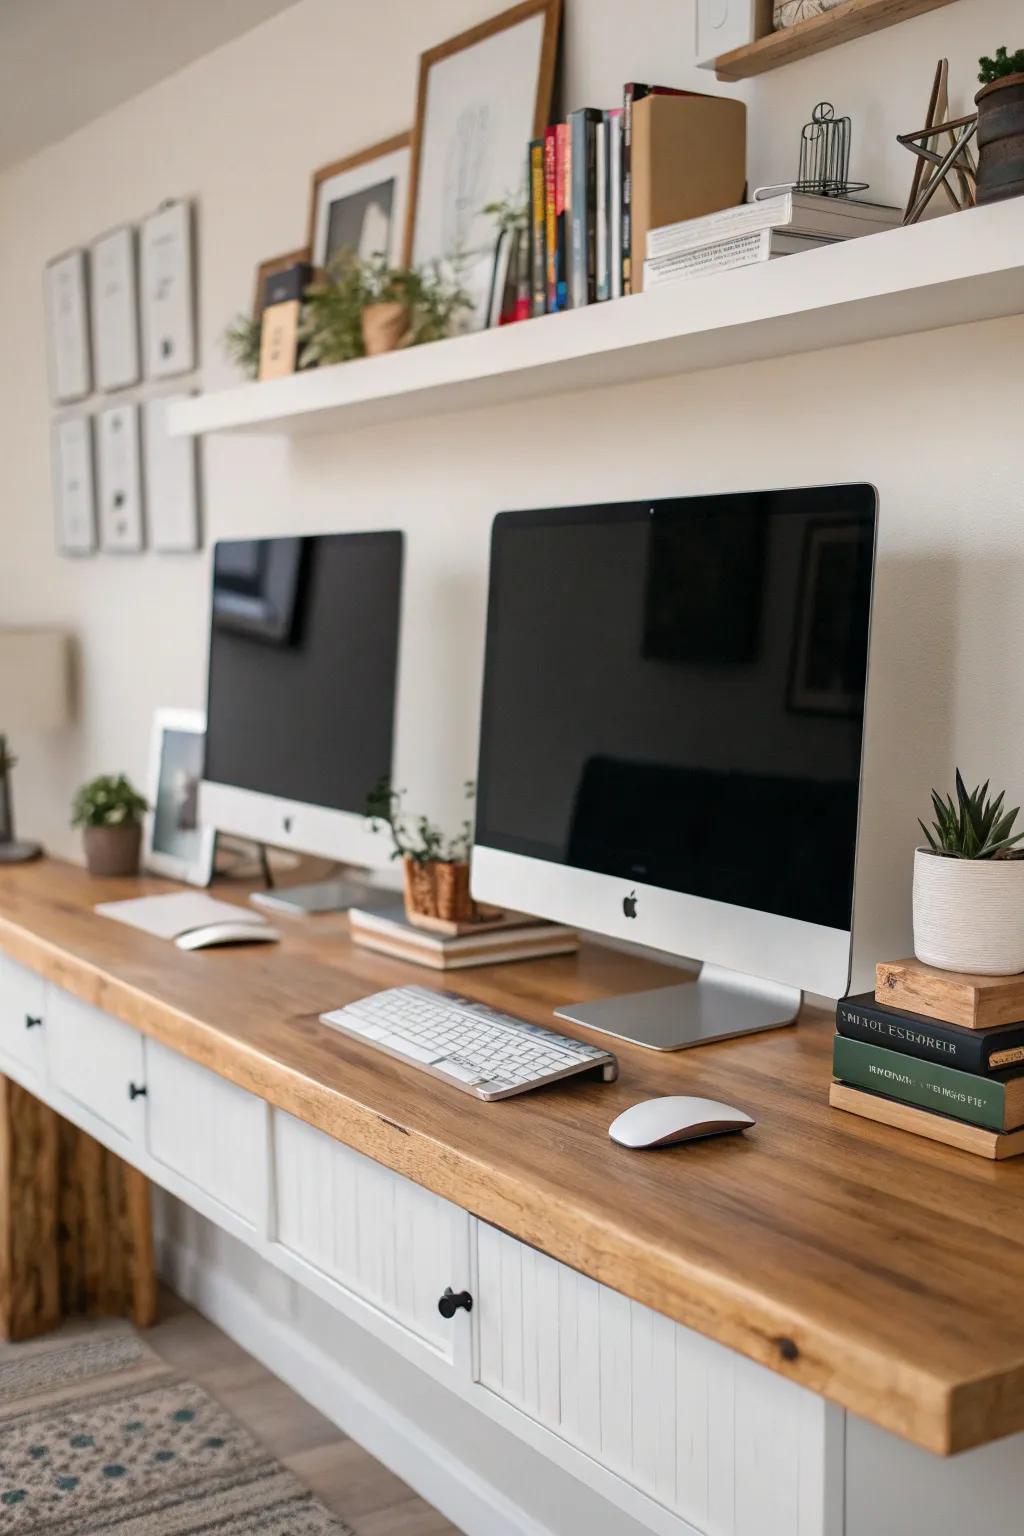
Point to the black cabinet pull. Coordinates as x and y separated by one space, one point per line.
451 1301
32 1022
136 1091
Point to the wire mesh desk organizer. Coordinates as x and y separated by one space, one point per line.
825 155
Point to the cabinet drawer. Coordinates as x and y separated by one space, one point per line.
22 1011
714 1438
210 1131
374 1233
96 1060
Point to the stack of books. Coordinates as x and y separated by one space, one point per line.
759 231
938 1053
457 946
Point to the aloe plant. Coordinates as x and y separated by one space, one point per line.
975 827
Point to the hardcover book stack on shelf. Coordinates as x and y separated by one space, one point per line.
938 1053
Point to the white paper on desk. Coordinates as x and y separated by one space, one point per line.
168 917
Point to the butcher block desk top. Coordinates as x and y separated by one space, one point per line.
880 1270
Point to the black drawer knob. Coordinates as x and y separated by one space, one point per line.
451 1301
136 1090
32 1022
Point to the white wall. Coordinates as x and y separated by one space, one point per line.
933 420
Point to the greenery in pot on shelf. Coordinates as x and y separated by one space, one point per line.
435 866
241 343
363 306
969 885
110 810
1000 104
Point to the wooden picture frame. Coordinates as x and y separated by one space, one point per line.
354 176
504 177
270 268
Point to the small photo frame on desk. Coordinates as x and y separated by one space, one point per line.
67 325
168 309
360 204
174 842
74 490
115 310
120 479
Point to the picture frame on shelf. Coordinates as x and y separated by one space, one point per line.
120 479
168 293
175 843
482 96
361 202
115 309
172 490
270 268
74 488
66 286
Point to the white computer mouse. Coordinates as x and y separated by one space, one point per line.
660 1122
227 933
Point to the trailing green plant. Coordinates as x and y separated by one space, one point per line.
417 837
1002 65
241 342
438 302
331 330
975 827
508 212
108 801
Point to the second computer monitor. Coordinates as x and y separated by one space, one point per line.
304 637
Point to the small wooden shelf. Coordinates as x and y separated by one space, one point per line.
854 19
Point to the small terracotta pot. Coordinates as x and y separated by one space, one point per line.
438 890
384 325
112 850
1001 139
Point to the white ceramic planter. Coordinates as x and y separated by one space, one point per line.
969 913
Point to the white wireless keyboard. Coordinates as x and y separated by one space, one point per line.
467 1044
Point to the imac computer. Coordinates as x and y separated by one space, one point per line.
301 695
670 744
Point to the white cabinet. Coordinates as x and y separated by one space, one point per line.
209 1131
96 1060
22 1016
731 1448
368 1233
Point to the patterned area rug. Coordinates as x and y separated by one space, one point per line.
98 1434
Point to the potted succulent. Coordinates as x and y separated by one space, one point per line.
1000 104
435 867
969 886
110 810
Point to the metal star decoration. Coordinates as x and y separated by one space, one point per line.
943 150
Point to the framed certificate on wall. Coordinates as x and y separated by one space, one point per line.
120 479
168 317
73 489
115 322
67 324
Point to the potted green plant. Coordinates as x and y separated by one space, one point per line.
361 307
435 867
969 886
1000 104
110 810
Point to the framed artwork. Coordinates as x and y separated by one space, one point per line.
172 502
168 317
117 453
115 310
827 669
270 268
361 203
726 24
482 96
174 842
73 486
67 324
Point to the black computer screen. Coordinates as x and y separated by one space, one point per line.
674 693
303 665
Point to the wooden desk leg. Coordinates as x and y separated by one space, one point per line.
75 1224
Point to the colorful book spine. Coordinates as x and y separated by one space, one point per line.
968 1050
583 125
538 226
615 202
976 1100
550 218
563 165
601 231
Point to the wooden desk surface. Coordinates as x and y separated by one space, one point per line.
880 1270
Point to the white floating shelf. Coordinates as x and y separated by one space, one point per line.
946 271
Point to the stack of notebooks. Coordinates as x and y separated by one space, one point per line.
457 946
938 1053
759 231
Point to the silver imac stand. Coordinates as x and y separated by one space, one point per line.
335 893
719 1004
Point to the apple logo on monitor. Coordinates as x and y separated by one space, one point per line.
629 904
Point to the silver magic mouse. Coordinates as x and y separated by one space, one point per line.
660 1122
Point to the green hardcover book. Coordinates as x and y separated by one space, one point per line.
995 1102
